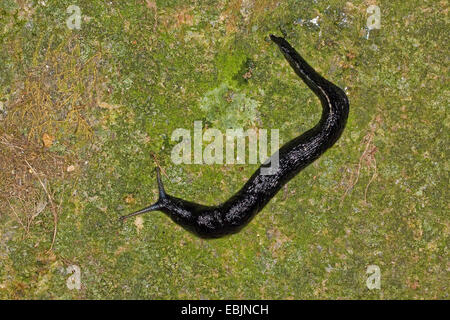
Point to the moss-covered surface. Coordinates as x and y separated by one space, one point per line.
378 197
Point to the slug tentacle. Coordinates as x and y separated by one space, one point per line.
232 215
157 205
161 191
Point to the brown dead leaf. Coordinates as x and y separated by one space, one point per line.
105 105
47 140
185 18
120 250
139 223
130 199
151 4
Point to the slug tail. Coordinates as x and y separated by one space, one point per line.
158 205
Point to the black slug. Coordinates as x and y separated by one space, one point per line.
232 215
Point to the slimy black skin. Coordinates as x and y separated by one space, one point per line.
232 215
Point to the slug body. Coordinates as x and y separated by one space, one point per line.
232 215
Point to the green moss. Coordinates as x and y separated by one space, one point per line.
316 238
231 67
225 108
